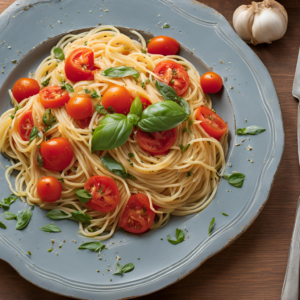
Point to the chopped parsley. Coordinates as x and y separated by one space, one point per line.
188 174
87 91
111 110
46 82
145 82
144 51
94 95
131 155
183 149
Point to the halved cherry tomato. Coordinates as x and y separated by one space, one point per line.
157 142
104 191
49 189
56 153
84 123
174 75
25 124
117 99
53 96
137 216
24 88
79 107
211 122
163 45
80 65
211 82
145 102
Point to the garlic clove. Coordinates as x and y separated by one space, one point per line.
268 26
242 22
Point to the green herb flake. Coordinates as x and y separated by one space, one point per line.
93 246
68 87
184 130
59 53
235 179
190 123
252 130
29 253
144 51
111 109
166 26
61 180
100 109
87 91
40 160
179 237
211 225
188 174
85 43
50 250
125 269
95 95
130 155
46 82
50 228
224 214
145 82
183 149
33 134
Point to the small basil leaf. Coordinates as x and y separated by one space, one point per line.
48 119
2 225
93 246
50 228
224 214
40 159
23 218
33 134
56 214
59 53
136 107
167 91
125 269
211 225
161 116
9 215
100 109
81 217
68 87
122 71
133 119
112 132
111 165
61 180
179 237
46 82
83 195
253 130
235 179
94 95
5 204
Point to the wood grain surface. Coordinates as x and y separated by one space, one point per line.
254 266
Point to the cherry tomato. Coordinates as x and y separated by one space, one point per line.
211 83
80 107
25 124
137 216
24 88
49 189
56 153
118 99
145 102
211 122
163 45
80 65
53 96
174 75
104 191
157 142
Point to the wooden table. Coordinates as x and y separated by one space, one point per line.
254 266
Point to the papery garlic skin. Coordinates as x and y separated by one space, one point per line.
260 22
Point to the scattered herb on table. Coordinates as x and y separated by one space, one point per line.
125 269
224 214
5 204
235 179
23 219
211 225
253 130
93 246
50 228
179 237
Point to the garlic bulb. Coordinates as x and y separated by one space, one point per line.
260 22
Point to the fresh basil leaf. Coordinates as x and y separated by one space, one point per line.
100 109
125 269
46 82
5 204
224 214
112 132
61 180
23 218
94 95
185 106
48 119
68 87
81 217
235 179
83 195
33 134
211 225
167 91
161 116
93 246
136 107
40 159
57 214
47 128
253 130
122 71
9 215
50 228
2 225
59 53
179 237
111 165
133 119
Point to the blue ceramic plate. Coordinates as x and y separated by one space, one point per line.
207 41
